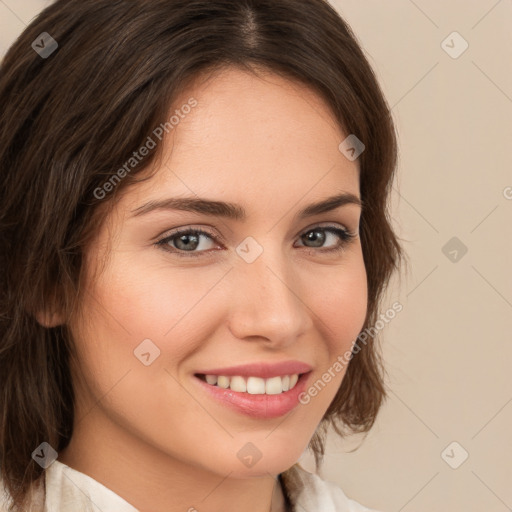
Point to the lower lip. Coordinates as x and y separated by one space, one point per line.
258 406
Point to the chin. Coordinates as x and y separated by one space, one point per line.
256 456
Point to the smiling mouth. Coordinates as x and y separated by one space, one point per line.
252 385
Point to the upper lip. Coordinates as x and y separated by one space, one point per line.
262 370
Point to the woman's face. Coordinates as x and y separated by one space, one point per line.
268 288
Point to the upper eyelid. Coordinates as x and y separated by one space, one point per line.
211 230
187 229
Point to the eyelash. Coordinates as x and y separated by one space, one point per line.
345 238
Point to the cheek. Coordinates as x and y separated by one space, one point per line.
338 297
154 301
131 303
340 305
123 309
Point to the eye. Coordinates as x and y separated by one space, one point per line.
185 241
320 234
188 242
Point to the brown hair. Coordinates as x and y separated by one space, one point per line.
70 120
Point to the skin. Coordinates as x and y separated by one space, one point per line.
150 433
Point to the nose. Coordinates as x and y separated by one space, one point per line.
267 302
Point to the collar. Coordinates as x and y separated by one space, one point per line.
64 489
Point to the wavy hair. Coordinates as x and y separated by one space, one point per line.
73 114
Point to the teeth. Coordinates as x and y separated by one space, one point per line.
274 386
238 384
223 382
254 385
211 379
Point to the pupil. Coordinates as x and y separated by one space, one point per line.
183 238
317 240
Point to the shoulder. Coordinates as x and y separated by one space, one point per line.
4 497
64 489
308 491
35 497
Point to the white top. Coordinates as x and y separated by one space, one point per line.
69 490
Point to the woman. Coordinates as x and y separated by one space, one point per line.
194 232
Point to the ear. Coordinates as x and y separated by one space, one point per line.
49 319
48 311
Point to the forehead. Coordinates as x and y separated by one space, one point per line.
260 137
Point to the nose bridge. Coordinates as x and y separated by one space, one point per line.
267 301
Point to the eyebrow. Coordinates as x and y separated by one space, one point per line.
237 212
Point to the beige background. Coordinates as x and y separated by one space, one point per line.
448 353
